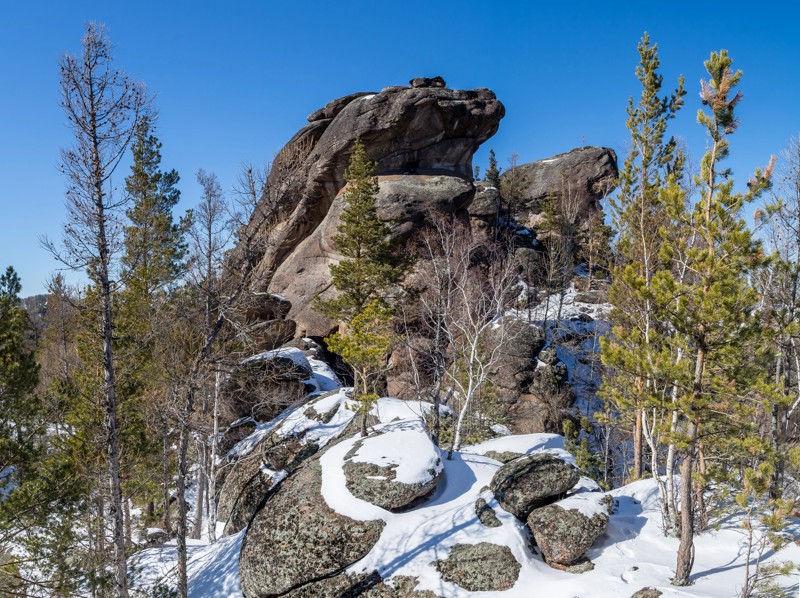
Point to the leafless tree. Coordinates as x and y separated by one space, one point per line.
103 106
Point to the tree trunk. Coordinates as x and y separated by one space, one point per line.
166 477
183 449
637 445
200 494
212 466
685 559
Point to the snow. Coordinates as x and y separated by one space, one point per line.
297 356
390 409
405 447
298 424
325 378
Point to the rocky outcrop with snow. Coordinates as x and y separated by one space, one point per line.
529 482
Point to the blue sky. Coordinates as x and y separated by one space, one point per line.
234 80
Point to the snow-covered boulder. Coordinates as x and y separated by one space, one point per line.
565 530
297 539
482 567
529 482
395 466
262 461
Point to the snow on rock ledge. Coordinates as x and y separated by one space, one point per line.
395 466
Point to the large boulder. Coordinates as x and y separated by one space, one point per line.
529 482
394 467
263 385
482 567
565 530
426 132
296 539
581 177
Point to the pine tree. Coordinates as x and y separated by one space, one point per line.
364 280
638 212
370 269
492 174
721 381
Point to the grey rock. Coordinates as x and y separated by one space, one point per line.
522 342
296 539
647 593
486 514
419 131
482 567
427 82
378 486
529 482
585 175
503 456
564 535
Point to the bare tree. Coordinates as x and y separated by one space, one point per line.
103 106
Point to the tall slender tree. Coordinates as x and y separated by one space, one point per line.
637 213
103 107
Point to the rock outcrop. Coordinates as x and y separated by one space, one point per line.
422 137
394 483
296 539
581 177
564 534
482 567
529 482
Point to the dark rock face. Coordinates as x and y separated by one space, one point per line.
261 388
525 484
584 176
362 586
518 360
565 535
480 567
425 130
427 82
296 539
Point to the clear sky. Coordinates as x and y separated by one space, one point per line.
234 80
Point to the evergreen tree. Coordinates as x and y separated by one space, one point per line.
638 212
364 281
721 381
370 269
492 173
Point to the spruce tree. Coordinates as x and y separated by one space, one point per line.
492 173
370 269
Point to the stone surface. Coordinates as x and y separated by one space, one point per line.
529 482
427 130
647 593
296 539
522 343
402 201
486 514
378 484
482 567
584 176
564 535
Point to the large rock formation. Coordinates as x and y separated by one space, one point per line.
580 178
422 137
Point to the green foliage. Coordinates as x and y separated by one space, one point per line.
365 346
492 174
370 267
576 442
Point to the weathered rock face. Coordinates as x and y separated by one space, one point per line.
422 137
564 534
482 567
379 484
523 342
582 176
296 539
525 484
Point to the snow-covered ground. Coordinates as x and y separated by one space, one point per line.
632 554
